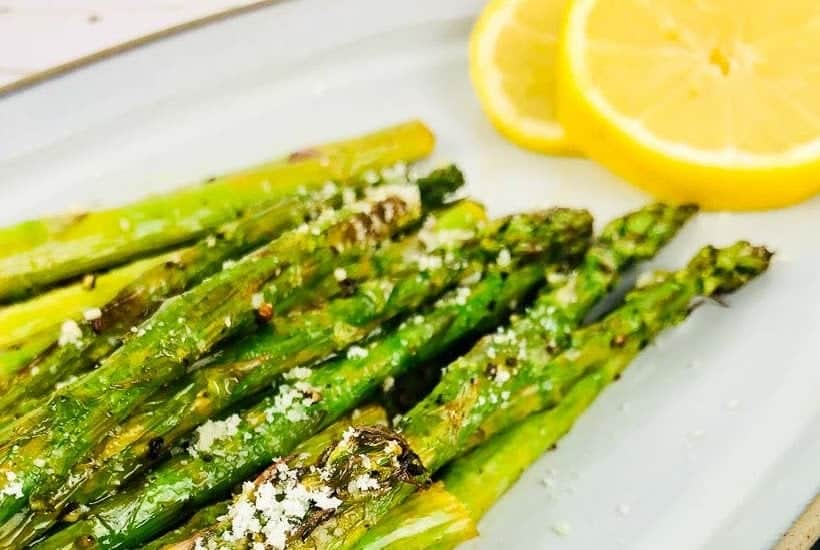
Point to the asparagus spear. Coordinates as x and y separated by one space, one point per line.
99 337
634 237
473 387
431 518
303 406
711 272
17 356
94 339
19 322
306 452
28 329
445 515
479 478
250 365
52 438
556 313
57 249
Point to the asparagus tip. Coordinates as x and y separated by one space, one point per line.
438 185
724 270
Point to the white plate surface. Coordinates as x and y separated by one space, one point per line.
712 438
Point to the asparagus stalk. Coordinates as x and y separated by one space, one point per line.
17 356
307 452
305 405
631 238
47 251
94 339
99 337
21 321
472 484
431 518
304 338
250 365
556 313
634 237
52 438
517 360
711 272
481 382
479 478
30 328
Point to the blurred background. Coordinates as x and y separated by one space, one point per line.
39 35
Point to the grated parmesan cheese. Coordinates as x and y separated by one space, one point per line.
408 194
362 484
292 401
396 172
298 373
348 196
562 528
212 431
70 333
432 239
92 314
270 511
13 487
501 376
370 177
65 382
356 352
504 258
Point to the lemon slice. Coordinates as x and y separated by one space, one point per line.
512 64
712 101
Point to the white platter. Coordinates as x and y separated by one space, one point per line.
712 438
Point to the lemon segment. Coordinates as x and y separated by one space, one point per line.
512 65
711 101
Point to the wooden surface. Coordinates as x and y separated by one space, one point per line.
805 531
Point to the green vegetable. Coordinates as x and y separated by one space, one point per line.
17 356
38 253
634 237
276 425
309 451
19 322
188 267
51 439
251 365
95 339
508 364
431 518
479 478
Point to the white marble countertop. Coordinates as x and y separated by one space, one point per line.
38 35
